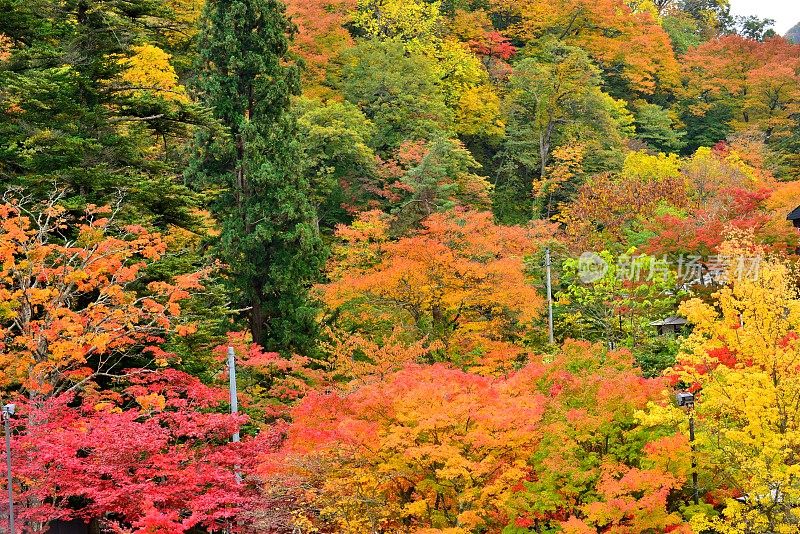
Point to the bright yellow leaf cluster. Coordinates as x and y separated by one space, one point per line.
742 359
644 166
402 19
149 70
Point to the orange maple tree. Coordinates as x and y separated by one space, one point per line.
759 81
435 449
360 360
616 36
74 301
460 282
430 447
320 34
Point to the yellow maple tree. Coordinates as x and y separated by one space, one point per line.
741 360
401 19
148 70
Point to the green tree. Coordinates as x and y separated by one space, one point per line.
549 95
554 100
617 304
339 160
440 177
269 243
655 126
788 150
713 17
756 28
682 30
708 128
400 90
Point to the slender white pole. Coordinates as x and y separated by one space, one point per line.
232 377
549 296
234 400
6 420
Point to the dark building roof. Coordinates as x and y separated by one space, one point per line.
670 321
794 215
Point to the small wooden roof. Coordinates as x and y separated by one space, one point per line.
794 215
675 321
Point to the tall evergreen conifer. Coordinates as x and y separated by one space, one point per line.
269 241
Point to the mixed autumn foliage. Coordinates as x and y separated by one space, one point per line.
356 196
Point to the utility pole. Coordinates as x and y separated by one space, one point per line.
694 456
8 411
549 295
232 377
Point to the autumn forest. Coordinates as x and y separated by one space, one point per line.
470 266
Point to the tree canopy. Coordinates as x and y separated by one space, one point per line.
379 206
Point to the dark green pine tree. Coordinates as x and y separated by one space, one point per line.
269 241
68 122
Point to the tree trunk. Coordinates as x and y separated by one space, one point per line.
256 317
544 148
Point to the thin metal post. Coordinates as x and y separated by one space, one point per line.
232 377
234 401
694 457
7 423
549 296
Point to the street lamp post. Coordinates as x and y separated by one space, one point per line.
8 411
686 400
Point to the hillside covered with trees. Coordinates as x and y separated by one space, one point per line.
793 35
465 254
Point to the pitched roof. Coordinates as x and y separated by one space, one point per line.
669 321
794 215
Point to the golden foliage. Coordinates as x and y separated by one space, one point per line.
741 360
149 70
64 303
